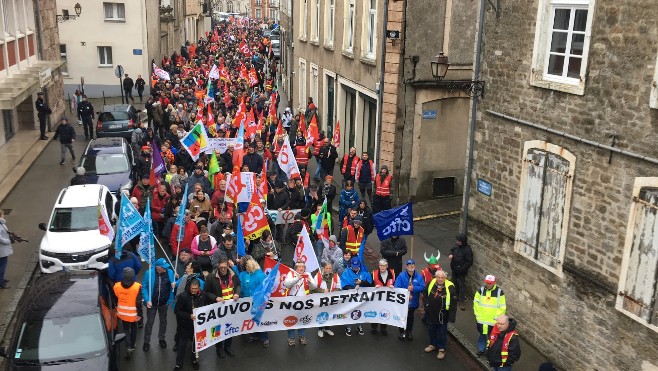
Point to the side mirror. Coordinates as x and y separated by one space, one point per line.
42 226
3 352
119 338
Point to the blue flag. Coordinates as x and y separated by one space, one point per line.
395 222
263 293
130 224
180 218
146 242
240 236
362 248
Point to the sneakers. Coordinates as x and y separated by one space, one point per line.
328 332
410 336
195 364
146 347
129 353
401 336
61 162
291 342
462 305
302 340
163 344
359 329
430 348
442 354
320 333
348 331
266 344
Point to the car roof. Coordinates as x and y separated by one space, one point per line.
102 146
116 107
63 294
80 195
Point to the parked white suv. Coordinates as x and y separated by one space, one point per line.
72 239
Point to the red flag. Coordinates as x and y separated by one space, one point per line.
302 125
279 130
199 114
272 112
211 118
152 177
253 77
223 72
243 72
336 139
255 221
227 97
259 124
244 48
263 188
312 134
235 185
250 128
280 290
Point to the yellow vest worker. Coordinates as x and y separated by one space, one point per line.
488 304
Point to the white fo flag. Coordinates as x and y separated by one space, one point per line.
287 161
304 251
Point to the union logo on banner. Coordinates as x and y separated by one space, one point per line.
201 339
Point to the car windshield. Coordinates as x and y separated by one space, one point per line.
71 219
61 339
105 164
113 116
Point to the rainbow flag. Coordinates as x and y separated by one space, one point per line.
195 141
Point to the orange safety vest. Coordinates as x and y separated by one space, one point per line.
227 291
355 161
306 180
301 155
317 145
127 301
334 281
389 280
504 353
353 239
383 189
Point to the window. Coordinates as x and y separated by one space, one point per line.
258 14
273 14
544 203
637 281
229 7
114 11
370 25
6 11
329 24
314 82
653 101
316 21
348 42
304 16
259 2
562 36
62 55
105 56
302 83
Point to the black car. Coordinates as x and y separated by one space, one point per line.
117 120
110 162
65 323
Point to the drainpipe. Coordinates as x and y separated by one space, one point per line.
291 60
380 93
39 32
474 105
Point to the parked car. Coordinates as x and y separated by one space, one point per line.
65 323
72 239
110 162
117 120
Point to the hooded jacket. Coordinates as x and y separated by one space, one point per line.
116 266
462 257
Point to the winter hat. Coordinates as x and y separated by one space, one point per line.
128 276
333 238
80 171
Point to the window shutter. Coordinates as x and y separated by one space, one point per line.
552 211
640 289
532 195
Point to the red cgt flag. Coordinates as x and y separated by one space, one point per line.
280 290
336 139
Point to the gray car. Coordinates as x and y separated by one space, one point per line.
117 120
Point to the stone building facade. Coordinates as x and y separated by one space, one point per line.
265 10
566 141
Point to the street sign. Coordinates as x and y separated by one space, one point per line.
429 114
484 187
137 51
118 72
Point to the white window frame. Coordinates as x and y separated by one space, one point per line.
115 12
301 77
259 13
543 35
304 19
64 57
653 99
259 2
522 214
273 14
315 82
102 52
329 24
349 26
315 37
636 208
369 36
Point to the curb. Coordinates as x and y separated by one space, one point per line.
8 315
467 346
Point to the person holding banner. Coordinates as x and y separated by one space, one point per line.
192 298
353 278
382 277
414 282
223 284
438 297
299 283
251 278
328 281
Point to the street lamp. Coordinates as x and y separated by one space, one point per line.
439 66
65 17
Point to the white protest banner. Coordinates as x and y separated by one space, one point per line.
283 217
220 321
286 160
248 189
304 251
220 144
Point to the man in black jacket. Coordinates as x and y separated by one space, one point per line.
461 259
128 85
66 135
328 156
393 250
86 114
438 299
253 160
223 284
192 298
140 84
42 112
504 333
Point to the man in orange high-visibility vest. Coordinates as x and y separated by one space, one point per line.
129 300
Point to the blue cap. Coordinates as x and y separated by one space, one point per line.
411 261
162 262
354 262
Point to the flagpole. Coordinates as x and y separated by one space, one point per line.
412 246
177 252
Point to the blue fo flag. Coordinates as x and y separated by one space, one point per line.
180 218
240 236
146 242
362 248
395 222
130 224
263 293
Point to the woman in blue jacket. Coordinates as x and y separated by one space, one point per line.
349 199
415 283
251 278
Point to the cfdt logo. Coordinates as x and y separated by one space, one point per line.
356 314
290 321
384 314
322 318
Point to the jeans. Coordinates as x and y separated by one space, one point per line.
130 328
300 332
3 269
438 334
318 171
460 285
182 348
64 147
150 319
410 320
482 338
